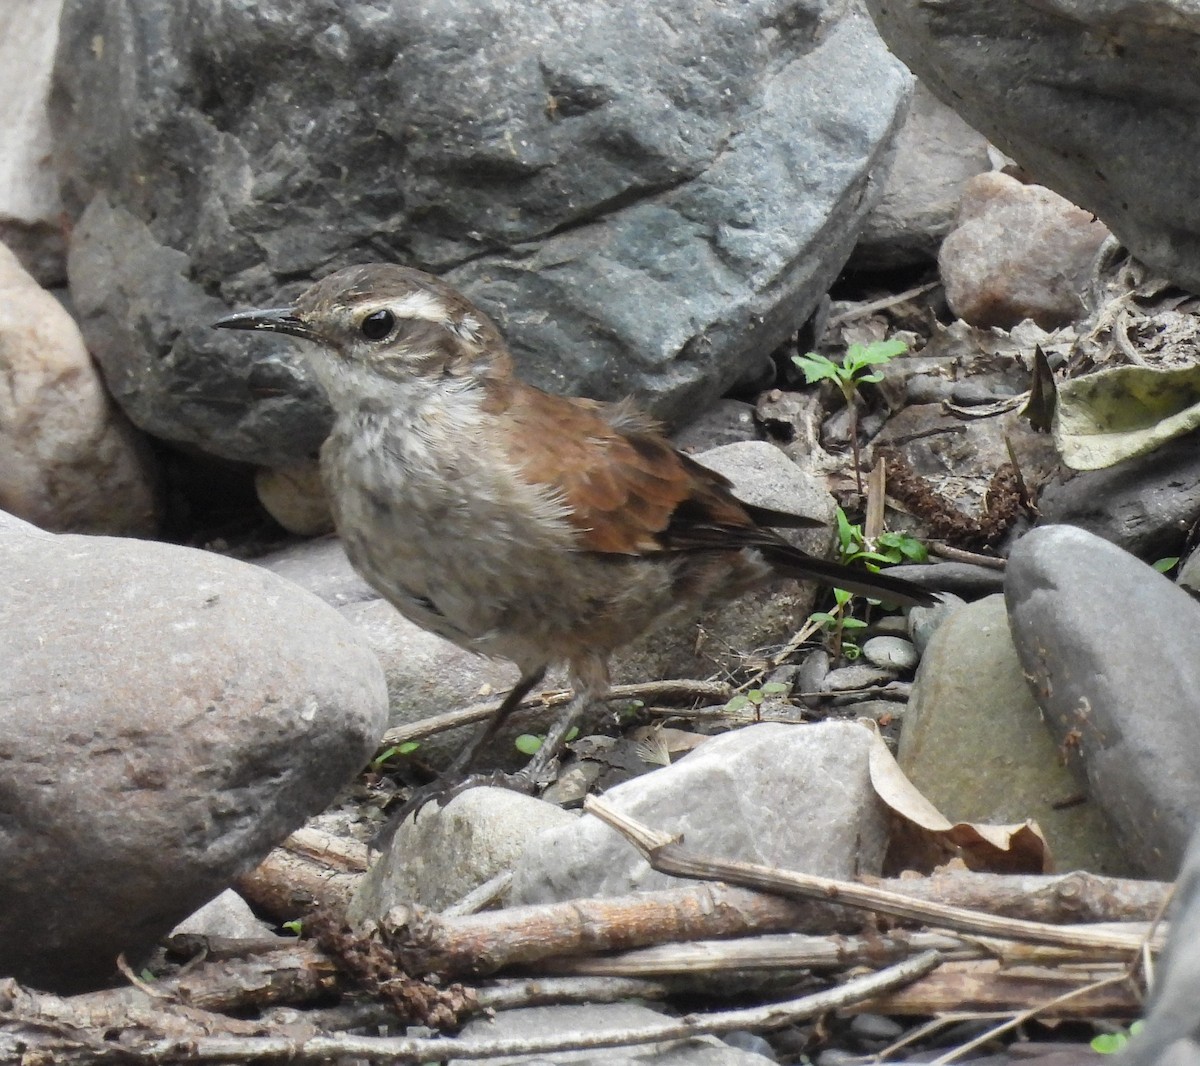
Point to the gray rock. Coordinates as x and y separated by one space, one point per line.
1018 251
226 915
716 796
166 717
447 852
31 221
857 676
891 653
647 199
593 1018
974 743
1111 649
1171 1035
936 152
1145 505
1032 79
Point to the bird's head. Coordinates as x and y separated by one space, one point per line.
390 321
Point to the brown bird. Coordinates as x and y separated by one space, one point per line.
531 527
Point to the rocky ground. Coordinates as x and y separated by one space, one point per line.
193 673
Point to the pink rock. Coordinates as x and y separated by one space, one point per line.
1018 251
72 462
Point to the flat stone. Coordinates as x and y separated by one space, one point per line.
716 797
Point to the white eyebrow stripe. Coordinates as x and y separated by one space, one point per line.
419 304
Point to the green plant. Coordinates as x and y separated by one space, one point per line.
385 756
854 547
754 697
1111 1043
529 743
887 549
1165 566
848 375
295 926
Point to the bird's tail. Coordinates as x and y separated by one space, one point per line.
881 586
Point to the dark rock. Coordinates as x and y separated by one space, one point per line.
1145 505
1097 101
166 717
936 152
1111 649
647 199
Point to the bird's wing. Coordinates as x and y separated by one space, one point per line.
627 489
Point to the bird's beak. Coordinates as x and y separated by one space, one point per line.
269 320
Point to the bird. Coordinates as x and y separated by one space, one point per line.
519 524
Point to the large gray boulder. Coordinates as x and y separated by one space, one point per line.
1098 99
166 717
648 198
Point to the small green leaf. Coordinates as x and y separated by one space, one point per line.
147 975
853 623
842 597
295 926
774 688
817 368
528 743
1167 564
738 703
851 651
1109 1043
755 696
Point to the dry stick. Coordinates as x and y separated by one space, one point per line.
320 1049
881 304
682 689
664 854
1141 959
961 555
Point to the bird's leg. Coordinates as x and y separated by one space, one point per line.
539 767
450 782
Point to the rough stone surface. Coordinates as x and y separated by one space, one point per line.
648 199
1145 505
70 460
1171 1035
716 796
975 744
450 851
31 219
1098 101
1018 251
166 717
593 1018
226 914
1111 649
936 152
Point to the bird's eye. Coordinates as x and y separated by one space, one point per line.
377 325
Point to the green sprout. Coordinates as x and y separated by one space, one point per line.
848 375
530 743
1111 1043
385 756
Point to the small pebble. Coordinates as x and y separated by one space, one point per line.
875 1027
860 675
890 652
